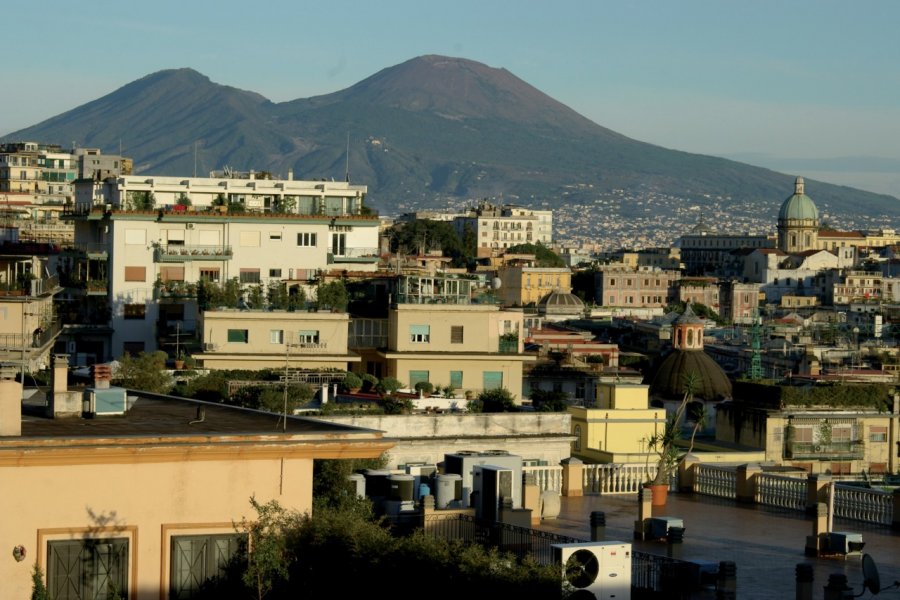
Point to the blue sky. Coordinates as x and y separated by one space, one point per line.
768 82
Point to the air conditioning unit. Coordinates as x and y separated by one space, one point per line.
843 542
491 487
595 569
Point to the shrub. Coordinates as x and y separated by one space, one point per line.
352 381
388 385
369 382
425 387
492 401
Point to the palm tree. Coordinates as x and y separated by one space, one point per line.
663 443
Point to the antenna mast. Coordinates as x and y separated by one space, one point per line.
347 168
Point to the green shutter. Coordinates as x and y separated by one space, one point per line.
493 380
456 379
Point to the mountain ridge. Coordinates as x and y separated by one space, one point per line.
424 133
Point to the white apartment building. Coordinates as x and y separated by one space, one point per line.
499 227
155 238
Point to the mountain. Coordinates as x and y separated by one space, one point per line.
429 132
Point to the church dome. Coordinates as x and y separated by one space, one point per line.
561 303
799 206
712 382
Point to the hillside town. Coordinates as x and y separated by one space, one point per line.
496 358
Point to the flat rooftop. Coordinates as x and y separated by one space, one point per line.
765 543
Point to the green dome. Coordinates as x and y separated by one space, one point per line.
799 206
712 382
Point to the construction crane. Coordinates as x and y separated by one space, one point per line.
756 372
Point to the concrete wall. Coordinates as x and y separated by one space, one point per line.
427 438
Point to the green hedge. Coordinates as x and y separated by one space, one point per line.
875 395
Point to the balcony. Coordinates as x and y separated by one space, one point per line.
355 255
822 451
181 253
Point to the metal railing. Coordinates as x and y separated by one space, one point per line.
649 572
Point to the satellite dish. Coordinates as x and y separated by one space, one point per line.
871 580
496 283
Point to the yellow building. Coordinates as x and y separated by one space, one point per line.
260 339
145 502
470 347
616 430
523 285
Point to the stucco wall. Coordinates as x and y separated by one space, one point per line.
145 502
427 438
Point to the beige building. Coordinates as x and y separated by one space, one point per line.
618 427
145 502
28 322
620 286
819 440
499 227
470 347
259 339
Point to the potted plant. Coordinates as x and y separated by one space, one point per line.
179 359
424 388
369 382
352 382
664 443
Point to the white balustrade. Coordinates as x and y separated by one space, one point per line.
713 480
863 504
546 478
781 491
614 478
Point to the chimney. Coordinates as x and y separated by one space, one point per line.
10 408
290 175
59 378
102 373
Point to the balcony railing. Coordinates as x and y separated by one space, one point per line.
180 253
355 255
820 450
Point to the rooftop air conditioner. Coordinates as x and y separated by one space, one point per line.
595 569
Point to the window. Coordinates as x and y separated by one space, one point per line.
274 272
209 274
249 275
135 273
87 569
456 379
276 336
416 377
239 336
803 434
841 433
196 559
308 336
339 244
420 334
577 432
275 236
492 380
136 312
456 334
877 434
306 239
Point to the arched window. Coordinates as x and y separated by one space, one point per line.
690 338
577 432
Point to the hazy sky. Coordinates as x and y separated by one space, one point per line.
759 80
